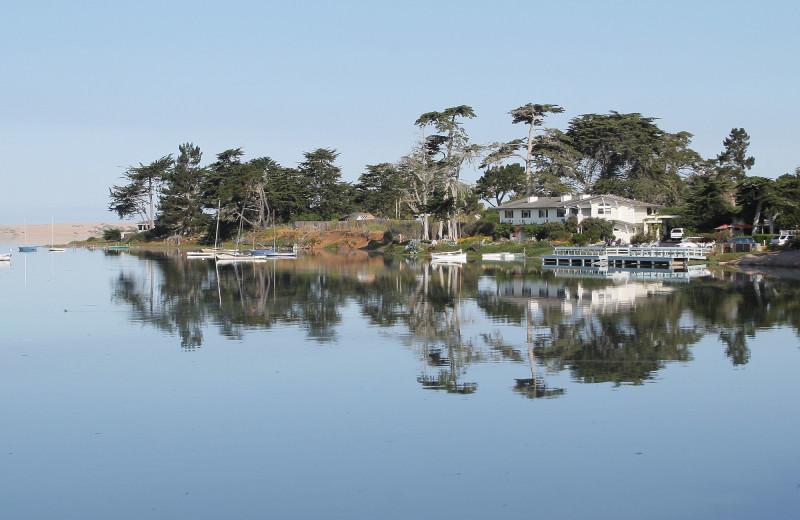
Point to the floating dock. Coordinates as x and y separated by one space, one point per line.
624 257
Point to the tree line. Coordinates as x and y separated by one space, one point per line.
621 154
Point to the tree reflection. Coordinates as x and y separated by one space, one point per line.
614 331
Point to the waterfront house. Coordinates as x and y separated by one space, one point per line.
628 216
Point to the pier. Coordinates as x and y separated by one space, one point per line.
624 257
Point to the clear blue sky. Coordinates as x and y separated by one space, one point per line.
89 88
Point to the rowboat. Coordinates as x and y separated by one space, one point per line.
449 256
5 257
502 257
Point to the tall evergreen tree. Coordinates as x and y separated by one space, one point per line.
499 182
325 191
378 190
138 197
453 149
733 161
180 204
533 115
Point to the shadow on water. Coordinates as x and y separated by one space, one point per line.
598 329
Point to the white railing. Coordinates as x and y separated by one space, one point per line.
642 252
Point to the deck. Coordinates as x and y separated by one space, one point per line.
624 257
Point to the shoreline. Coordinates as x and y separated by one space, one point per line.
61 233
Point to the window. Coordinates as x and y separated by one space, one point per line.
542 213
604 209
573 211
509 213
561 212
586 212
526 213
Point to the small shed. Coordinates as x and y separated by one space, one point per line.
359 216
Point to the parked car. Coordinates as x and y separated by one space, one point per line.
676 233
780 240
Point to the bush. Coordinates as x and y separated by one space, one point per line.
762 238
642 238
571 224
480 227
550 230
112 234
579 239
597 227
560 236
490 215
502 230
720 237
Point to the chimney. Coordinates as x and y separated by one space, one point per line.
565 198
532 198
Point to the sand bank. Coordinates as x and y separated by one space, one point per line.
63 233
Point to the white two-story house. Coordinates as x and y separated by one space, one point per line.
629 216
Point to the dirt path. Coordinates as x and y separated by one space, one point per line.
783 259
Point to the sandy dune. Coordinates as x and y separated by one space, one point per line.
63 233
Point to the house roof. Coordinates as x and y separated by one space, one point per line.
576 200
363 215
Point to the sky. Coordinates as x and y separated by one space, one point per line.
91 87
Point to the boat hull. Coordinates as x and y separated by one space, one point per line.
449 256
502 257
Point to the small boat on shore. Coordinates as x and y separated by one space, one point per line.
449 256
502 257
5 257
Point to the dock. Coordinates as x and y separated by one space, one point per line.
624 257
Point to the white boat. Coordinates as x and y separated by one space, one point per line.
53 247
200 254
502 257
238 257
5 257
449 256
281 254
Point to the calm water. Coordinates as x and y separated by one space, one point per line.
144 385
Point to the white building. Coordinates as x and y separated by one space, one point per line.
629 216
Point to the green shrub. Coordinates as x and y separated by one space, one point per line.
571 224
762 238
579 239
560 236
551 231
597 227
502 230
642 238
112 234
480 227
490 215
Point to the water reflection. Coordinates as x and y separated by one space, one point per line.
597 329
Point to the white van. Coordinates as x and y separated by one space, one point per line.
676 233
